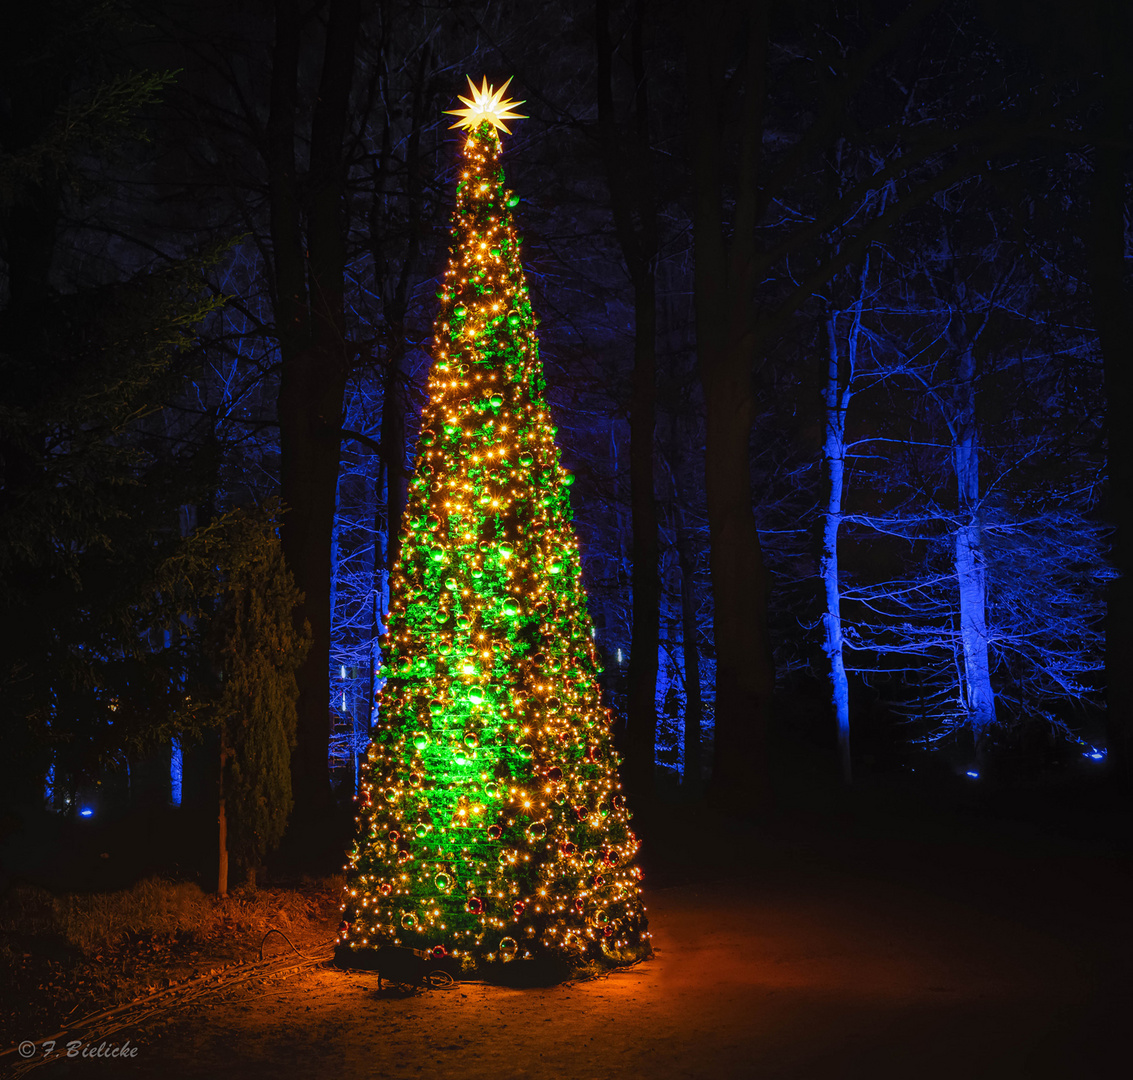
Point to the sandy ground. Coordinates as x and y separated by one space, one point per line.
845 958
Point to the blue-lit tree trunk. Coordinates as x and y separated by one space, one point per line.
977 695
836 394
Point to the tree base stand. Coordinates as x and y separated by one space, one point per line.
422 968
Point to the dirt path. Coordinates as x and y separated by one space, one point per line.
807 973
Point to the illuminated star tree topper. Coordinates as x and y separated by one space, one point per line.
486 104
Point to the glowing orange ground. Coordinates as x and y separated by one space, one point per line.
825 954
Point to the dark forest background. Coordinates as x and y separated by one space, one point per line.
832 299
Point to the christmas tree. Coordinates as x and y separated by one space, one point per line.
491 823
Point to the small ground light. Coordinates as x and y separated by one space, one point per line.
1094 754
86 811
972 774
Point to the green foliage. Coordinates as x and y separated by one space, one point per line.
67 103
251 651
95 121
89 496
93 466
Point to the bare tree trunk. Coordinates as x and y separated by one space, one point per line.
968 552
629 175
836 399
744 671
394 406
693 781
309 285
394 273
378 607
836 395
726 334
222 822
641 688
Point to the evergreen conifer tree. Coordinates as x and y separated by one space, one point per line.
255 645
233 598
492 825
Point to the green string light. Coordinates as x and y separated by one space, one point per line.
491 824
